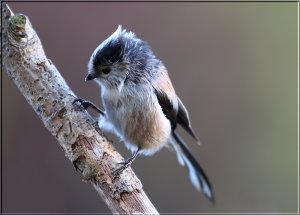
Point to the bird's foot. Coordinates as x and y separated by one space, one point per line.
124 166
86 104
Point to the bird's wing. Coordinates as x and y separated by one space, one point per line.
167 107
171 105
166 97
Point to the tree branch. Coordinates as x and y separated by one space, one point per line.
51 98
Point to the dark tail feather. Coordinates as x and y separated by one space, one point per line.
197 175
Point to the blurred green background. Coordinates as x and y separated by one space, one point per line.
233 64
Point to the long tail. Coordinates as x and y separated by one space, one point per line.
197 175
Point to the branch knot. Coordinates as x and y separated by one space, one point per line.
19 30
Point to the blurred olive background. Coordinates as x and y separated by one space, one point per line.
233 64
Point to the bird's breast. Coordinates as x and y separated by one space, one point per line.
138 120
148 128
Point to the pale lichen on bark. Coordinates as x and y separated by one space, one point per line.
25 62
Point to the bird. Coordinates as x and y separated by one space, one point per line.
141 106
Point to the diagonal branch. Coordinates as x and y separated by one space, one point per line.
24 61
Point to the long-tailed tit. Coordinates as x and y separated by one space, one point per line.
141 106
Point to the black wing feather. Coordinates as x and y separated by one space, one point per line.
167 107
177 114
184 120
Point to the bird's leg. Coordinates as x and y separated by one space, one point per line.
126 164
85 104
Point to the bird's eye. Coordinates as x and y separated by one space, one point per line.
106 70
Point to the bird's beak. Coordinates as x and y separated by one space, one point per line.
91 76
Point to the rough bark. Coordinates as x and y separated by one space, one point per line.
24 61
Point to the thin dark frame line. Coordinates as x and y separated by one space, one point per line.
149 1
1 124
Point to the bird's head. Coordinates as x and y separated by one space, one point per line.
120 58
